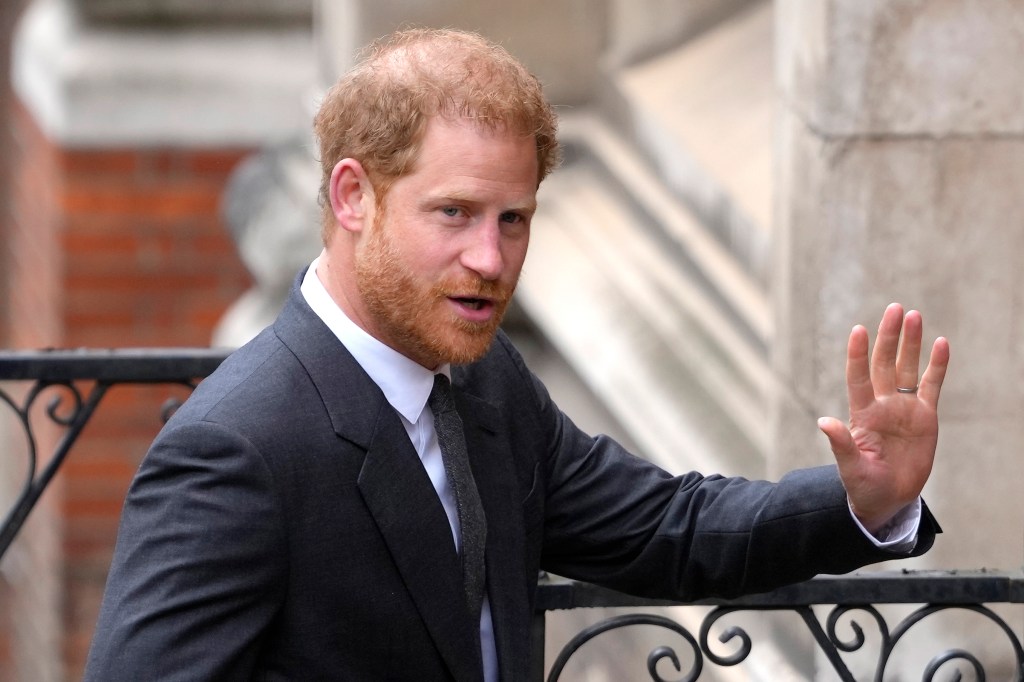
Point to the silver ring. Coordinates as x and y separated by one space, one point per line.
907 389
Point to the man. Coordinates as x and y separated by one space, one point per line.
303 515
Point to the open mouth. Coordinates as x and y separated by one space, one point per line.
471 303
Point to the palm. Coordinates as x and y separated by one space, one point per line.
886 453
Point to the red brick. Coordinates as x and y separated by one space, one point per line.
80 242
169 203
89 164
216 162
99 466
100 506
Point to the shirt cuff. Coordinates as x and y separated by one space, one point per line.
900 533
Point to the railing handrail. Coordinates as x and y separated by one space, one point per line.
892 586
113 365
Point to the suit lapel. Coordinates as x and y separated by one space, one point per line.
409 514
491 462
393 483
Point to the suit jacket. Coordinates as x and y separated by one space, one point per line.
281 527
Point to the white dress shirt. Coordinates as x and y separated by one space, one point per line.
406 385
900 534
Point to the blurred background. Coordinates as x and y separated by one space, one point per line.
744 181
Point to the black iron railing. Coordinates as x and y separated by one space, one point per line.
75 382
79 379
849 601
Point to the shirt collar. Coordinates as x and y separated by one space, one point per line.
406 383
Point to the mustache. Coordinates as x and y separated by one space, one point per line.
476 287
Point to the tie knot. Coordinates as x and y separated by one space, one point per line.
441 395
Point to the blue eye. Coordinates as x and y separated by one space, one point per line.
451 211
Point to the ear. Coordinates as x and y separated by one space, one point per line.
351 194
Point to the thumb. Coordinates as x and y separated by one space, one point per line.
839 439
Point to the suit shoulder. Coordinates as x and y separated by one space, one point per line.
261 376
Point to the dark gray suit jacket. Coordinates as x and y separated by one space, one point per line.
282 527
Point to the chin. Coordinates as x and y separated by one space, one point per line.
467 349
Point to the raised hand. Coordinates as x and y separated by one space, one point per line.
885 454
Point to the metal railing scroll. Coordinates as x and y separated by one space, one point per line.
852 599
81 378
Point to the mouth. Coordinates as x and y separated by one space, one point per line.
472 303
477 303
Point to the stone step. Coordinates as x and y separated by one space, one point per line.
631 298
701 117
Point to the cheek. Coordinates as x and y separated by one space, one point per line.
418 255
514 256
429 262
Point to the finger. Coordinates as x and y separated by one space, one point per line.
883 358
935 372
840 440
858 374
908 359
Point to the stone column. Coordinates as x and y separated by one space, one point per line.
900 163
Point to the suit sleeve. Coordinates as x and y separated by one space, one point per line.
617 520
199 563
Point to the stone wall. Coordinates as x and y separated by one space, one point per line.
900 158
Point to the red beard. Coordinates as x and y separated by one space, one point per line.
416 319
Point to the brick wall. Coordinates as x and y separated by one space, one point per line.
111 248
148 264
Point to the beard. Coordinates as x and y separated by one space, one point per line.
415 318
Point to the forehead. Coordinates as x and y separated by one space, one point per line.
460 151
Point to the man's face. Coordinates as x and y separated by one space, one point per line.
440 262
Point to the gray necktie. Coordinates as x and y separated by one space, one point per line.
452 440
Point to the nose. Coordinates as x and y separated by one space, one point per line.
483 253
